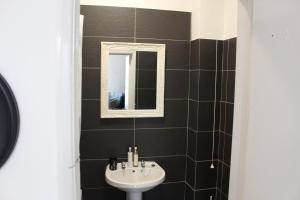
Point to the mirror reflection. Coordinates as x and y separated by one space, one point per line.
132 80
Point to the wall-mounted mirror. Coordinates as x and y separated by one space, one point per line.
132 80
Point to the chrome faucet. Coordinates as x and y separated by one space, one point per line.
123 165
143 165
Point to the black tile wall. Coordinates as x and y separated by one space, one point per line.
208 51
177 52
226 104
175 115
162 25
205 175
199 104
94 144
205 194
167 141
91 49
91 118
160 139
206 86
176 85
108 21
211 105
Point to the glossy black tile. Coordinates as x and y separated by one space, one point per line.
206 143
227 149
91 118
206 176
172 191
219 85
103 144
219 175
90 84
91 49
177 52
189 193
162 24
175 116
176 84
192 144
230 86
224 85
207 86
206 116
225 55
190 172
193 115
103 194
232 54
220 44
229 118
194 85
92 173
221 146
217 115
108 21
225 179
161 142
195 54
222 116
208 54
205 194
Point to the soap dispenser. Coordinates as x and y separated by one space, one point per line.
130 157
135 157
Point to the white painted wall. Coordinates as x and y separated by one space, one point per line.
230 18
267 165
36 58
211 19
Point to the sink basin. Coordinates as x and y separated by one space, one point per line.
135 180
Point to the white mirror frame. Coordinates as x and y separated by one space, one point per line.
132 48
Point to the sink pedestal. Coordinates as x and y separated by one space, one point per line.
133 196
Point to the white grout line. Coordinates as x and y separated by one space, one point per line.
201 69
201 189
174 40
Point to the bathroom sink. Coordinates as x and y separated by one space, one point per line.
135 180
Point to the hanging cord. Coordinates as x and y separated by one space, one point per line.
215 104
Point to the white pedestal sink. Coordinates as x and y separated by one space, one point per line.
135 180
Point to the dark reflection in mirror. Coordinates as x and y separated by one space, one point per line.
132 85
146 75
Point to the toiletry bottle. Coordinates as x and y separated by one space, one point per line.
130 158
135 158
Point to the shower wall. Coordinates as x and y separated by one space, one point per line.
211 103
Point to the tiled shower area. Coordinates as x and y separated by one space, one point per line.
196 129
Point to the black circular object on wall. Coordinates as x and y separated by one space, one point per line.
9 121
